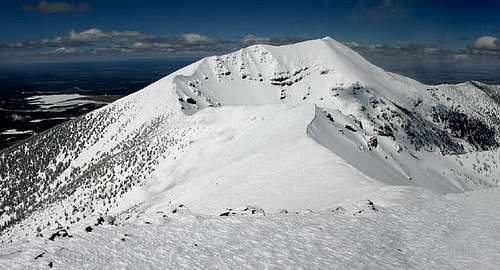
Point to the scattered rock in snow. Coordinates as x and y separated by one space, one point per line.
249 210
349 127
180 209
191 101
329 116
100 221
39 255
372 206
59 233
373 142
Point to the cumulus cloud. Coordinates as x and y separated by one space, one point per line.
99 42
95 41
195 38
487 43
56 7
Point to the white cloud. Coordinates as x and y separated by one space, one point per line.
487 43
253 39
95 41
195 38
95 34
352 44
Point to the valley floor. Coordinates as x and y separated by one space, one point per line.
395 228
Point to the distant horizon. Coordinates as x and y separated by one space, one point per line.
423 70
91 30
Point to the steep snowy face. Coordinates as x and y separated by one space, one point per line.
358 102
329 74
263 74
297 126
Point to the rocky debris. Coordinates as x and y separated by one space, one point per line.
357 86
39 255
124 237
329 116
338 209
59 233
386 131
228 213
253 211
191 101
89 229
180 209
283 94
356 121
349 127
100 221
249 210
372 206
372 142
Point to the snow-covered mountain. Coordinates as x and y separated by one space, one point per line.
302 126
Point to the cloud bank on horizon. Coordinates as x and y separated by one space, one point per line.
382 28
96 42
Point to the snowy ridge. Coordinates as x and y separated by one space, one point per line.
300 126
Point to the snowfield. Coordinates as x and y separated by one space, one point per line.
383 171
15 132
396 228
46 102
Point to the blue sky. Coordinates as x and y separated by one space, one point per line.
55 29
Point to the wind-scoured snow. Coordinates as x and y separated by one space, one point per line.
305 126
394 228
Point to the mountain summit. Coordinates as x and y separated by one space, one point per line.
302 126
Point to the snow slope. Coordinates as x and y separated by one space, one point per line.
277 127
393 228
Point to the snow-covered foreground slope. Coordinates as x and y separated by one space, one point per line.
301 126
393 228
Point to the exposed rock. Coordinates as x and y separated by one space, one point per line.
372 142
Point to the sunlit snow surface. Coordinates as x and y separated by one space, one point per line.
405 228
287 127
